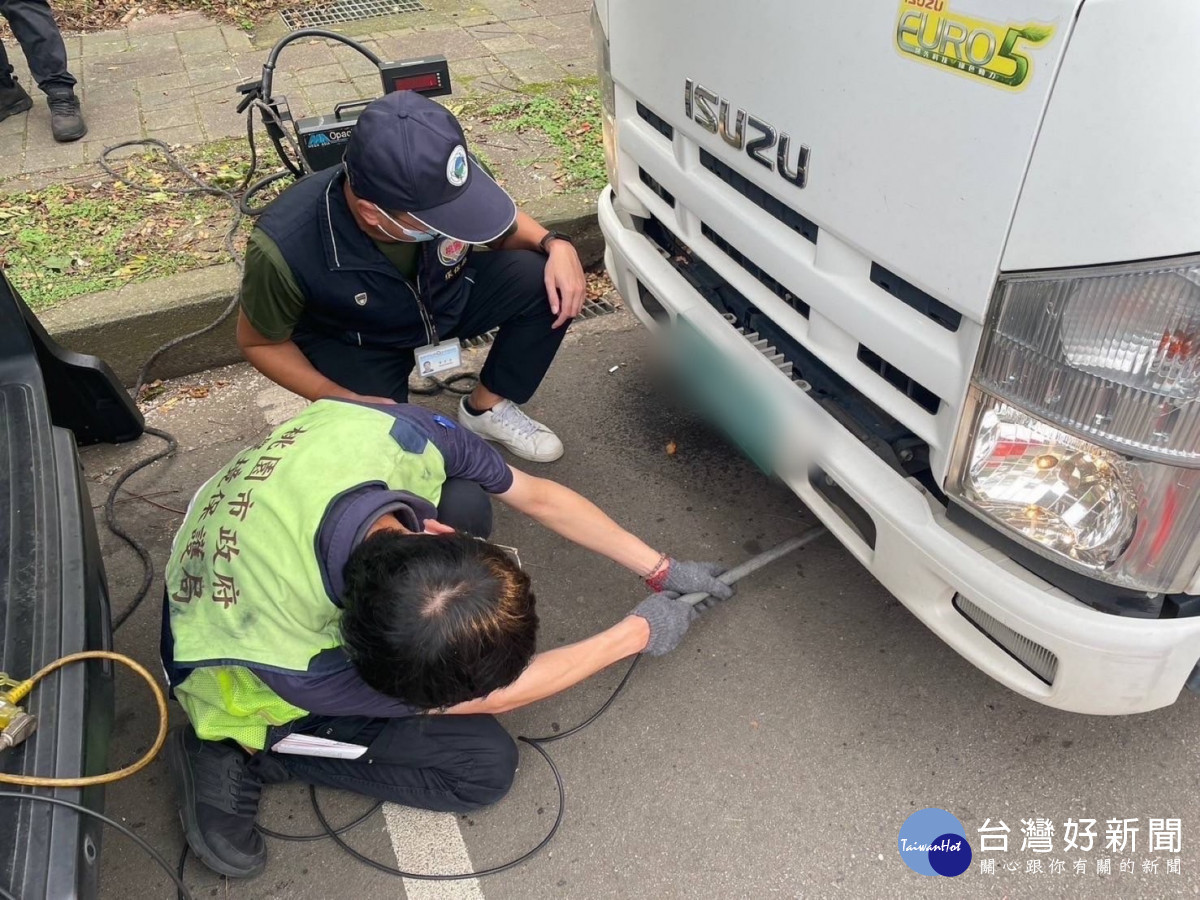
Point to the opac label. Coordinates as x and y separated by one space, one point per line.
1000 54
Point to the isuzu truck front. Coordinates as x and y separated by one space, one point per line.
934 263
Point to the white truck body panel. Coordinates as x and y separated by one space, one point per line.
946 180
1136 64
876 121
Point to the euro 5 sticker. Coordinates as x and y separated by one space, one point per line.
927 30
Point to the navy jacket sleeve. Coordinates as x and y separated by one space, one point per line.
334 688
466 455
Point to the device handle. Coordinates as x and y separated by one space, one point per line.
352 104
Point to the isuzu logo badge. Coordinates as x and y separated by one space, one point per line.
743 131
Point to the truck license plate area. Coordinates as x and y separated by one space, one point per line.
720 389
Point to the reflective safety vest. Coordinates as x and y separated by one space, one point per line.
244 584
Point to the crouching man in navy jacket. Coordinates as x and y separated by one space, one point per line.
359 272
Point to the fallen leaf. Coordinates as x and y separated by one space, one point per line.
672 448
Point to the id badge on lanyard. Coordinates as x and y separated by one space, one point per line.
436 356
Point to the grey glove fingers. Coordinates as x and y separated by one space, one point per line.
694 577
715 570
668 619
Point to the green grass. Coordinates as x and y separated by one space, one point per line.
569 118
67 240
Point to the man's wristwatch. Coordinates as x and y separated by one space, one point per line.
544 243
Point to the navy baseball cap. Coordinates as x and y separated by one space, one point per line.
408 154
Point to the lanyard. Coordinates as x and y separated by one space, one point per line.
431 333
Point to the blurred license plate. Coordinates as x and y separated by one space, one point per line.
722 389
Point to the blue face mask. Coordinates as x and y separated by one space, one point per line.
409 234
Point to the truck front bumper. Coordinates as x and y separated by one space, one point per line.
1088 661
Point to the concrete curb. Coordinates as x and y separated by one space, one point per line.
123 327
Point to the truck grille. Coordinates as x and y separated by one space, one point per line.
660 125
1032 655
917 393
663 194
905 384
759 197
882 433
911 295
746 263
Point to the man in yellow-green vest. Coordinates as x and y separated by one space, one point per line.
334 614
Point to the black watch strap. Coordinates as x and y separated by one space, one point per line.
544 243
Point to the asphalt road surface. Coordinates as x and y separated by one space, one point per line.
776 753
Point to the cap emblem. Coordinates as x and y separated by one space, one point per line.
456 166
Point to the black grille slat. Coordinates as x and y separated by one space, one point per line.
913 390
660 125
760 198
911 295
663 194
766 280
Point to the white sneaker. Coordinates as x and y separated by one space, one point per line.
507 425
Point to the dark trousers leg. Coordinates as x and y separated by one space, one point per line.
465 506
510 292
370 371
444 763
33 25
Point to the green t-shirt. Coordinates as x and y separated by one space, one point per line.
271 298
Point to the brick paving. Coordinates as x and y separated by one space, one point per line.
172 76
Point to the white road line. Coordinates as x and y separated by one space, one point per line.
426 841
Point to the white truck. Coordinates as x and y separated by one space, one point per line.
934 264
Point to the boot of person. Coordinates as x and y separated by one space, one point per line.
218 792
13 98
66 118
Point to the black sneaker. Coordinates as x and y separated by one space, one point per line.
218 793
66 119
13 98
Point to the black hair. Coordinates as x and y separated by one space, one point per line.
435 620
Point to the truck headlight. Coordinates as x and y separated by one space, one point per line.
608 96
1082 434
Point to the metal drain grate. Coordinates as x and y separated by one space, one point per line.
592 309
348 11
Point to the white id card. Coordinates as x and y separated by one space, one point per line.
435 358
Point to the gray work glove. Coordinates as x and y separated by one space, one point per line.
668 617
691 578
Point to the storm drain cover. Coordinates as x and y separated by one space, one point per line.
348 11
592 309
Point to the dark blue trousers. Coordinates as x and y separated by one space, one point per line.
438 762
33 24
509 293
